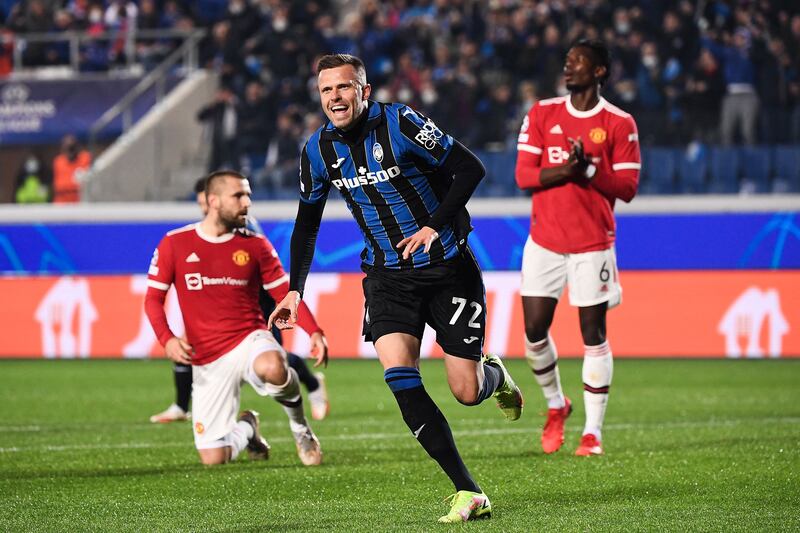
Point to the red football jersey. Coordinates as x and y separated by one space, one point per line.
577 216
217 280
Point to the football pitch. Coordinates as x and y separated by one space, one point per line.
707 445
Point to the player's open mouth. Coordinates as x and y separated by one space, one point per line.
339 109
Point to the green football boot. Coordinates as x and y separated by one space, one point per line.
508 395
466 505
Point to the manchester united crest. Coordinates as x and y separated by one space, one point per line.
241 258
597 135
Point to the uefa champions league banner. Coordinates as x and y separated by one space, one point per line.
43 111
726 241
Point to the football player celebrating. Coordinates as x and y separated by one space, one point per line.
578 154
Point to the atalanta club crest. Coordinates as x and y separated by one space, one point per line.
377 152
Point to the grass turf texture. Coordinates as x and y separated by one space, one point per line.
691 445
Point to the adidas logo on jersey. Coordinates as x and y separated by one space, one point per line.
193 258
556 129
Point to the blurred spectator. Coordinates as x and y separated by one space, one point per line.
6 52
776 72
497 118
120 18
255 117
68 169
220 53
284 151
740 103
220 117
704 90
32 16
94 54
32 186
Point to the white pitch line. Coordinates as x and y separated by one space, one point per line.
388 436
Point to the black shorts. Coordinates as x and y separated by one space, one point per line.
450 297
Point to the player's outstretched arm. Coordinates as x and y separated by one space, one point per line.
284 316
179 351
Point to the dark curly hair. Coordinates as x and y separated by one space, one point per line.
601 56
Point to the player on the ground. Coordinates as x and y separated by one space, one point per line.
314 382
578 154
406 184
217 267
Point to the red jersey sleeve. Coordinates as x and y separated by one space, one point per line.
276 282
272 273
623 180
160 276
529 150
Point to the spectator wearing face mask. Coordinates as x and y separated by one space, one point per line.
68 169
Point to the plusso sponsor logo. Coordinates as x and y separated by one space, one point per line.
366 178
196 282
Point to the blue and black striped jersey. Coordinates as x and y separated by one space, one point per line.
390 177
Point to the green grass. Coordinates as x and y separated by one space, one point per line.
690 445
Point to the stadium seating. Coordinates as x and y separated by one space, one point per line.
658 168
756 169
786 163
693 169
724 170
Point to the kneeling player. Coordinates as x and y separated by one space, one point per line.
217 268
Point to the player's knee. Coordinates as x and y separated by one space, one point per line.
270 367
535 331
212 457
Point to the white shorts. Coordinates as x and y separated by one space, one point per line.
592 276
216 388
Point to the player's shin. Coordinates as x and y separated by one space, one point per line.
183 385
288 395
428 424
542 357
598 367
305 376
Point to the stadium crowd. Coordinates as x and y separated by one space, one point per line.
720 72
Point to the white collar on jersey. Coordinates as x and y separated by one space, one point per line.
225 237
601 103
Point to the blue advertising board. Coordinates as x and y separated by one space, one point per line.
645 242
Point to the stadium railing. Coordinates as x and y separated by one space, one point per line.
76 40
